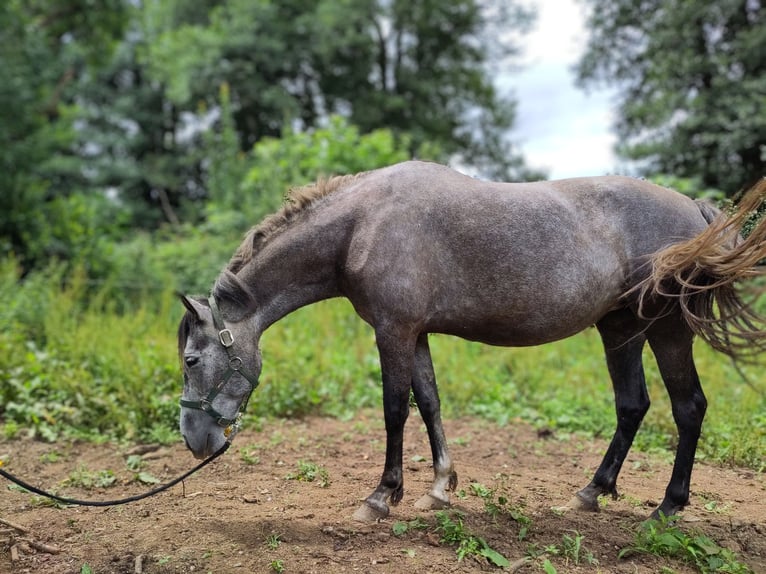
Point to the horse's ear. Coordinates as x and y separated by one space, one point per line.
192 305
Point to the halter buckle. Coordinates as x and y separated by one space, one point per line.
226 338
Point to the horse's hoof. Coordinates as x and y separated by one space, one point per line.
429 502
367 513
580 504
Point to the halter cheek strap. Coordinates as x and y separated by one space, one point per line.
226 338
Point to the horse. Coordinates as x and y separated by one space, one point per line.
418 248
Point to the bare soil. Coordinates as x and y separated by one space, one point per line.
223 519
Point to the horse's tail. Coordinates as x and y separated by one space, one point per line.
703 275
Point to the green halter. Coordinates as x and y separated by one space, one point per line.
235 366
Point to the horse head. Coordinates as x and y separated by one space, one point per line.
221 365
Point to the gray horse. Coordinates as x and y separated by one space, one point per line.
419 248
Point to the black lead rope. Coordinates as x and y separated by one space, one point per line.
152 492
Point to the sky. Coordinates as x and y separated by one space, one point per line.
559 127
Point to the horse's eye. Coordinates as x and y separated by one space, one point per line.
191 360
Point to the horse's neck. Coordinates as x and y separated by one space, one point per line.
294 269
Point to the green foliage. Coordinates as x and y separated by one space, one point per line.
89 479
310 472
496 505
691 186
298 158
692 83
273 541
418 68
451 527
69 362
45 48
664 538
400 528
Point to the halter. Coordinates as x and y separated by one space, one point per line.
226 339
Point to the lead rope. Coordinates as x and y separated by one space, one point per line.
65 500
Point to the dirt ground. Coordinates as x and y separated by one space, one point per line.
243 513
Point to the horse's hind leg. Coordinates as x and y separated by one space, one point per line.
671 341
623 343
427 399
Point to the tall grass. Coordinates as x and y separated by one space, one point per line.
74 362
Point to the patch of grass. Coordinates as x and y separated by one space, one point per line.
453 532
310 472
664 538
273 541
51 457
496 505
400 527
247 454
81 477
571 550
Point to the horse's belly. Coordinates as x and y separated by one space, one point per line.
526 323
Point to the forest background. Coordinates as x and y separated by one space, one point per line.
140 139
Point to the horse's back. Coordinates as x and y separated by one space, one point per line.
507 263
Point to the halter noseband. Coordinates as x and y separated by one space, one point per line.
235 366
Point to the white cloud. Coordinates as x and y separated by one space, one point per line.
559 127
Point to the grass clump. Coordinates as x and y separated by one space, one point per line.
664 538
452 529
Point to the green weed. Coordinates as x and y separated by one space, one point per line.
664 538
273 541
51 457
310 472
573 549
497 505
400 527
453 532
81 477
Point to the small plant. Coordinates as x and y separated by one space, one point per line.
277 566
497 504
663 538
87 479
454 533
135 464
51 457
573 549
400 528
248 455
273 541
310 472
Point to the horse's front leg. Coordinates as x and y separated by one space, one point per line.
396 360
427 399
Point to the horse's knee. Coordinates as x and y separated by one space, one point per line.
631 414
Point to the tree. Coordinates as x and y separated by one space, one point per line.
692 82
419 67
44 46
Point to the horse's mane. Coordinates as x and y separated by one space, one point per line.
297 201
